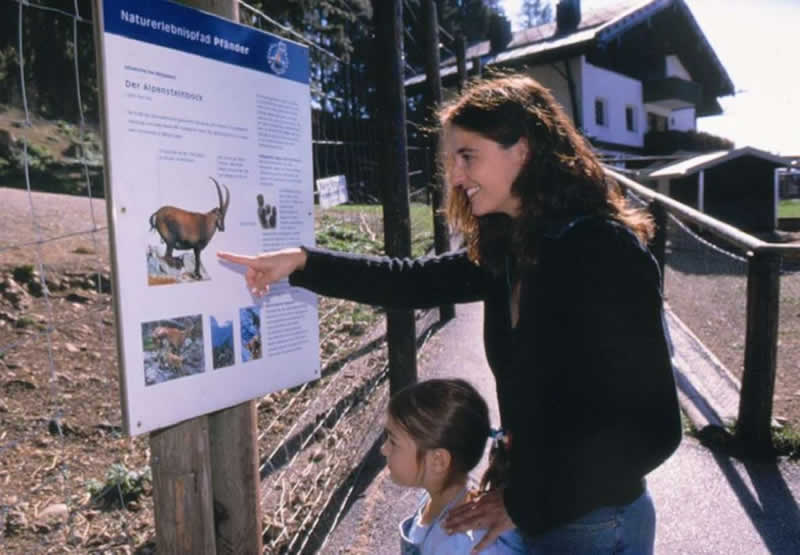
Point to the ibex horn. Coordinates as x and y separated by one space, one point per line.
223 205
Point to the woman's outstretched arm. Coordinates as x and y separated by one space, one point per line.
396 283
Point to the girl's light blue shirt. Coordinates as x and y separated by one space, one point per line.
416 539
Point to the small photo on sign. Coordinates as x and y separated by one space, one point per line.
267 213
250 325
173 348
222 343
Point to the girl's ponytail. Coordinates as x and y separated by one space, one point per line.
497 473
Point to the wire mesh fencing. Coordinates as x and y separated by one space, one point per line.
787 384
705 286
57 353
69 480
314 439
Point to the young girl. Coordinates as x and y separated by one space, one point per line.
436 433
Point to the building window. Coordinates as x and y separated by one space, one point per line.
630 118
656 122
600 112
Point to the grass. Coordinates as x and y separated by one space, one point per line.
789 208
787 442
358 228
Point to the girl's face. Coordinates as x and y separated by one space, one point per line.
483 170
401 455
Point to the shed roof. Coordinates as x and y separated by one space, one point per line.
701 162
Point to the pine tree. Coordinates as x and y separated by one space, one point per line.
534 12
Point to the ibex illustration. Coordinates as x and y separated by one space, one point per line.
184 230
174 337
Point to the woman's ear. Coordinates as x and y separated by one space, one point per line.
521 149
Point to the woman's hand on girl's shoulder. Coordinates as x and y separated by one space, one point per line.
266 268
486 512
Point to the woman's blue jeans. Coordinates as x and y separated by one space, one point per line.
623 530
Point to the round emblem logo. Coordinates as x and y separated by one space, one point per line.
278 57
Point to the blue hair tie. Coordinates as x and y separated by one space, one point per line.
496 435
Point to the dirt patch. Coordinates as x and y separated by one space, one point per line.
706 286
60 424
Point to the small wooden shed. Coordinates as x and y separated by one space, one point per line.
739 187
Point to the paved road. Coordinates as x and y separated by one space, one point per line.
707 503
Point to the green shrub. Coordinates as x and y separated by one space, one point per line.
24 273
121 486
787 442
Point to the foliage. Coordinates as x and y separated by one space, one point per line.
338 31
49 50
359 228
789 209
39 157
121 486
787 442
534 12
478 20
667 142
23 273
499 32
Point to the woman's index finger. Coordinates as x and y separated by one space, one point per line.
242 259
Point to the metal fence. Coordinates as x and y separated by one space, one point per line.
68 480
739 296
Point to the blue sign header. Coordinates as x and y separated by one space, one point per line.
181 28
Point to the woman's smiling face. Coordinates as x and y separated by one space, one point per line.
483 170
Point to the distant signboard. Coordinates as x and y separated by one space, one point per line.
332 191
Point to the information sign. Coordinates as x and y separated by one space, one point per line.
208 148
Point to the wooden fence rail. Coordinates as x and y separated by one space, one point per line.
753 426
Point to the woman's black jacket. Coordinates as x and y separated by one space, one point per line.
584 381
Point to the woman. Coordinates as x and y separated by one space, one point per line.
573 325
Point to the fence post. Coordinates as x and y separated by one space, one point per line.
658 245
753 428
441 234
234 475
391 116
205 470
182 498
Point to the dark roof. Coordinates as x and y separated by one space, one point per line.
708 160
600 28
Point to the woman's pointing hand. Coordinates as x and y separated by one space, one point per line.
266 268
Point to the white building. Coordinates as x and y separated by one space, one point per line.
620 72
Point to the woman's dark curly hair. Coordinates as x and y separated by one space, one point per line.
561 179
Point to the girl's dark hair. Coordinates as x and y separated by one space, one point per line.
498 470
561 179
444 414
